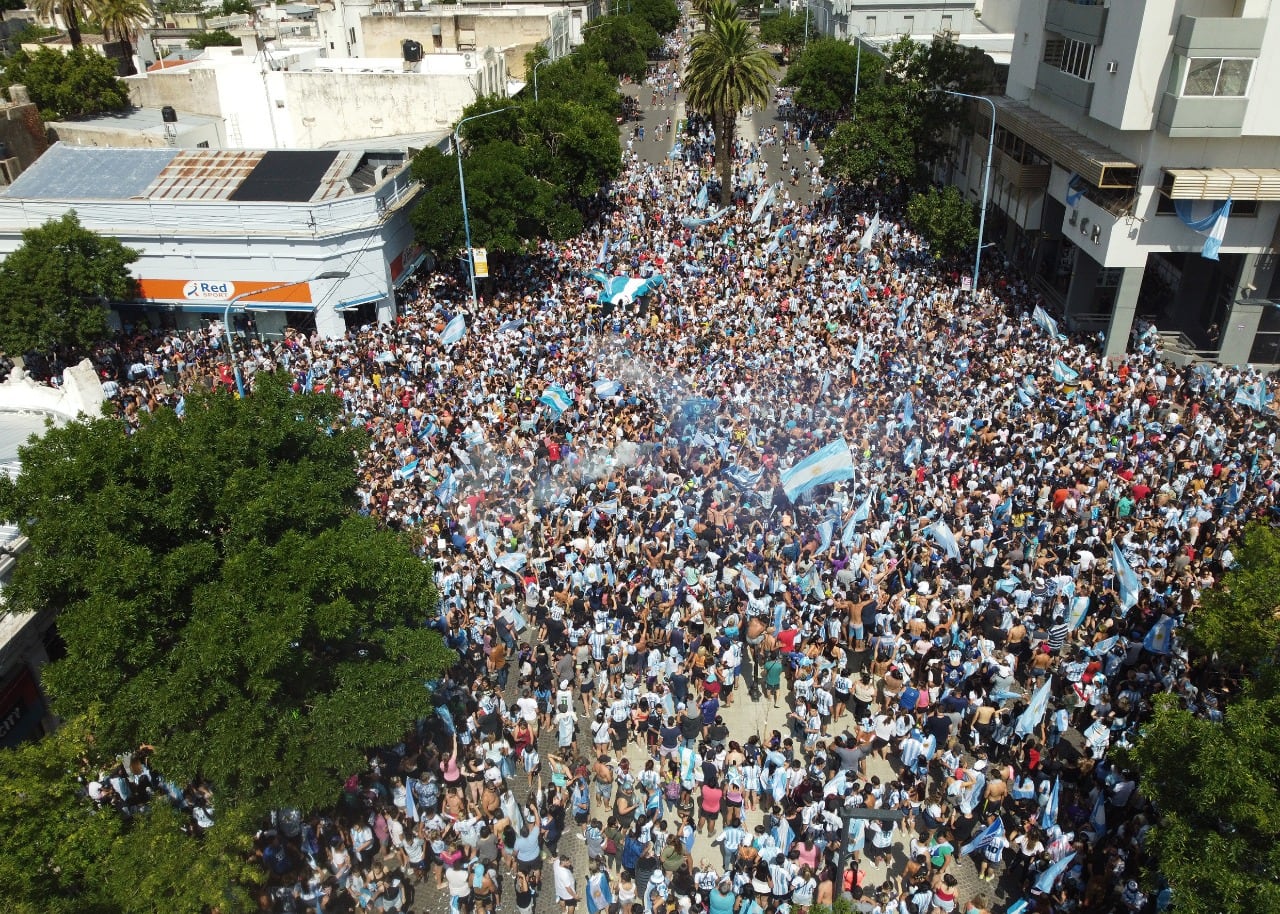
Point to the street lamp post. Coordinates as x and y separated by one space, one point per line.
226 315
535 77
462 187
857 75
986 181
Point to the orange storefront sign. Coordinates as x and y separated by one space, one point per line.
222 290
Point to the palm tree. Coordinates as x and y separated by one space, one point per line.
120 19
728 69
71 11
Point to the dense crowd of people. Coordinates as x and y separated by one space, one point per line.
960 628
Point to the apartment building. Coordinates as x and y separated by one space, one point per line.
1125 128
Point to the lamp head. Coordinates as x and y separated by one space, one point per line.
332 274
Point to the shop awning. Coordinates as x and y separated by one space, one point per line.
1100 166
354 303
1220 183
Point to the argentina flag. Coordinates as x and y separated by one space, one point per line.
557 398
832 463
455 330
1029 719
1127 584
743 478
985 838
1253 395
1041 319
1208 218
604 388
626 289
1063 373
765 201
943 536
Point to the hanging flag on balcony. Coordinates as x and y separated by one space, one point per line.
1209 218
1075 190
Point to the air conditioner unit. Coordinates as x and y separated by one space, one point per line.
468 61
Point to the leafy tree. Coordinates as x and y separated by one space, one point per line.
216 38
79 84
237 8
579 78
786 29
1216 790
1238 620
120 19
728 69
55 287
215 586
623 43
945 218
880 145
663 15
59 853
824 76
71 12
509 208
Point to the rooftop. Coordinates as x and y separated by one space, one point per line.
141 120
272 176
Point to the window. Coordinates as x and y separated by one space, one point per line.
1220 77
871 25
1068 55
946 23
908 25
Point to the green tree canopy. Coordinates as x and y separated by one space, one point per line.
728 69
824 76
54 288
1239 620
945 218
663 15
73 12
622 43
60 854
81 83
216 38
216 588
575 77
880 145
786 29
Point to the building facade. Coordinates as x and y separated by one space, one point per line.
1122 124
215 225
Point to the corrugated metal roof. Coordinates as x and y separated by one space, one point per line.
1221 183
204 174
90 173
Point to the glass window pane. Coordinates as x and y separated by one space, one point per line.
1202 76
1234 80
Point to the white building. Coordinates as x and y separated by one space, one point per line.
1113 115
365 28
881 19
297 97
212 225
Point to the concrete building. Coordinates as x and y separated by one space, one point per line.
23 138
144 128
297 96
1114 117
212 225
364 28
880 19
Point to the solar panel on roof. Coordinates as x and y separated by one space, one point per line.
285 176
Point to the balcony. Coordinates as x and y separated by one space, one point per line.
1201 116
1020 175
1219 36
1070 90
1082 21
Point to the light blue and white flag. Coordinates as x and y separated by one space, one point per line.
516 324
1041 319
1127 584
826 384
1098 818
911 453
447 491
743 478
625 289
407 470
908 410
557 398
604 252
873 228
765 201
826 530
455 330
599 893
1075 615
1050 876
1208 218
1159 640
1253 395
984 838
1029 719
1103 647
943 536
748 580
700 202
860 353
1049 815
605 388
783 834
512 561
1063 373
410 801
832 463
695 221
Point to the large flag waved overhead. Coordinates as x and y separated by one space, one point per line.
832 463
625 289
